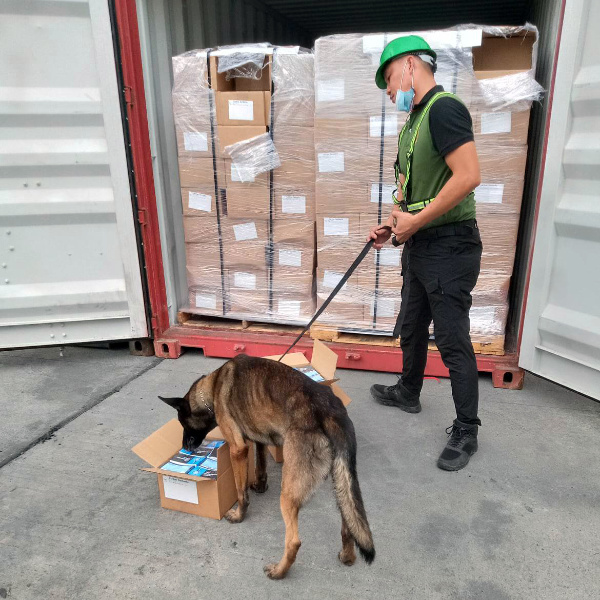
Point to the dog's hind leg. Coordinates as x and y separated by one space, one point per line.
348 554
261 469
306 461
239 462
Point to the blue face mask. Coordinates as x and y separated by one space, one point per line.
404 100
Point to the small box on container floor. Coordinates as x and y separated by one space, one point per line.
211 494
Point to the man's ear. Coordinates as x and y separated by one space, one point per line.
176 403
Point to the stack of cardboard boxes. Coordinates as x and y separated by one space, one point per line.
356 133
249 240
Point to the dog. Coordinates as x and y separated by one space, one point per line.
266 402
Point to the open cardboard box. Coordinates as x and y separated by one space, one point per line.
188 493
324 361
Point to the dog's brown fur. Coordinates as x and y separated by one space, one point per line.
263 401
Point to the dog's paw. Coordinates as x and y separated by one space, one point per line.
272 572
260 487
234 516
347 559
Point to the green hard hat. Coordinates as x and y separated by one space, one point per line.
409 44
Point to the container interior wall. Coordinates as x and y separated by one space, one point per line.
170 27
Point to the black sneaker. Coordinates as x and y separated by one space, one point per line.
460 447
396 395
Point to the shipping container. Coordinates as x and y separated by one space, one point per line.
90 201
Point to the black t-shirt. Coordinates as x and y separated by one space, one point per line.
450 123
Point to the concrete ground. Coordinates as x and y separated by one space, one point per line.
79 520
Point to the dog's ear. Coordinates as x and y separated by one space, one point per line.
176 403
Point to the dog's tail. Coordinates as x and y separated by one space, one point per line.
347 489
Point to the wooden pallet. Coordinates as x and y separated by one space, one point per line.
223 324
493 346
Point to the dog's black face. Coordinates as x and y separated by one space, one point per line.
195 425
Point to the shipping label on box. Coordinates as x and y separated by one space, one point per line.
335 226
195 141
201 202
388 257
331 90
241 110
489 193
245 281
206 300
290 258
389 124
496 122
387 192
331 162
293 204
245 231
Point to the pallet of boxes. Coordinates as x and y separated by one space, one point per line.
356 136
249 235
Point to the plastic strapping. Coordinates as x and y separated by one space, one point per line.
270 250
216 180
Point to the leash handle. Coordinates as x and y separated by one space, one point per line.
337 288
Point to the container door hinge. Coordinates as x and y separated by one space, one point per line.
128 94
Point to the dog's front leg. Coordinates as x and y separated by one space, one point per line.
239 462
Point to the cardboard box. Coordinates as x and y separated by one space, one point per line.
293 202
295 143
248 201
497 54
293 172
232 134
203 264
324 361
246 84
293 307
198 172
207 299
501 127
200 230
243 232
246 279
196 142
501 162
338 226
199 201
355 197
233 178
241 108
247 255
500 196
299 232
248 303
188 493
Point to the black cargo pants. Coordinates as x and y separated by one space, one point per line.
440 267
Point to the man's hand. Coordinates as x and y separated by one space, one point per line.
405 225
381 234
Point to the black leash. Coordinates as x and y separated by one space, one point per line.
337 288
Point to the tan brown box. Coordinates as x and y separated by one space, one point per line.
232 134
295 143
246 278
199 172
219 81
203 264
342 314
499 232
382 309
294 201
200 230
243 232
327 130
188 493
248 255
249 303
247 201
206 299
496 163
293 260
234 178
354 197
293 172
298 285
298 232
263 83
496 196
191 110
199 201
241 108
337 225
501 127
293 306
498 54
194 143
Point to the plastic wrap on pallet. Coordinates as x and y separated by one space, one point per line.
356 136
248 205
243 61
253 156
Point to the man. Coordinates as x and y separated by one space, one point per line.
434 216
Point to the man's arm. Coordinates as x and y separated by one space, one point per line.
465 178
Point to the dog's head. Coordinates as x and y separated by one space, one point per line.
196 418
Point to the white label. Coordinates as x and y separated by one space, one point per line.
246 281
241 110
331 279
290 258
390 126
489 193
386 307
335 226
293 204
206 301
372 44
482 316
195 141
389 257
183 490
386 193
201 202
245 231
330 91
240 174
496 122
331 162
289 308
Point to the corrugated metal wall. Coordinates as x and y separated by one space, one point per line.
209 23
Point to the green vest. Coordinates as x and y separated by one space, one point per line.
428 169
